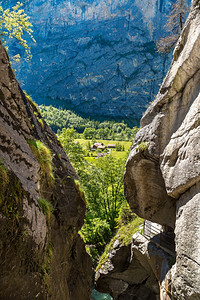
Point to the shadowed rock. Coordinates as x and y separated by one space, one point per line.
41 253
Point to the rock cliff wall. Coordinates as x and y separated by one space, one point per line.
96 57
41 206
162 183
162 178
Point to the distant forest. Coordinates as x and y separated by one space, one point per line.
60 118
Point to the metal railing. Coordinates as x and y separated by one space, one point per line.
163 239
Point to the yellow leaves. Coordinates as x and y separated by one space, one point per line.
15 23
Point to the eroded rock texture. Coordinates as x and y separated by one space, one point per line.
95 57
162 181
41 254
134 271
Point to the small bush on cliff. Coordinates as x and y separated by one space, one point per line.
142 147
46 207
125 215
4 180
44 157
32 103
124 236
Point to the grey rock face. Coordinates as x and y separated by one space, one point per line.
41 256
166 173
134 271
96 57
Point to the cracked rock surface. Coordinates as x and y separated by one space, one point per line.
41 255
162 181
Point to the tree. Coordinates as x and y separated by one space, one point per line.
73 149
174 25
103 186
13 24
89 133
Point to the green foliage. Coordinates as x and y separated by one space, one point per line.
119 147
73 149
11 194
142 147
13 24
124 236
103 184
46 207
89 133
125 215
60 118
41 123
33 104
93 252
45 269
125 233
4 180
96 232
44 157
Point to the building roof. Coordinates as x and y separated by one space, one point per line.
100 154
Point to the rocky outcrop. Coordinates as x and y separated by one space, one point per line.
41 206
96 57
162 177
162 185
134 271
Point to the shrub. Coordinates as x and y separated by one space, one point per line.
46 207
124 236
44 157
4 180
96 232
125 215
142 146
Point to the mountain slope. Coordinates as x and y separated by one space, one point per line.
97 57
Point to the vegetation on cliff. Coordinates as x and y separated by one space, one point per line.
128 224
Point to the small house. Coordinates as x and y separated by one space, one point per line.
98 146
111 145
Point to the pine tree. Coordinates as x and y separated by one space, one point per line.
174 25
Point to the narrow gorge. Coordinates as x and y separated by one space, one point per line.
42 203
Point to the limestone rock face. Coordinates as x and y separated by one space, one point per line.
134 271
162 176
41 254
96 57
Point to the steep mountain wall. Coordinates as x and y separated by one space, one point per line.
162 184
97 57
41 210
